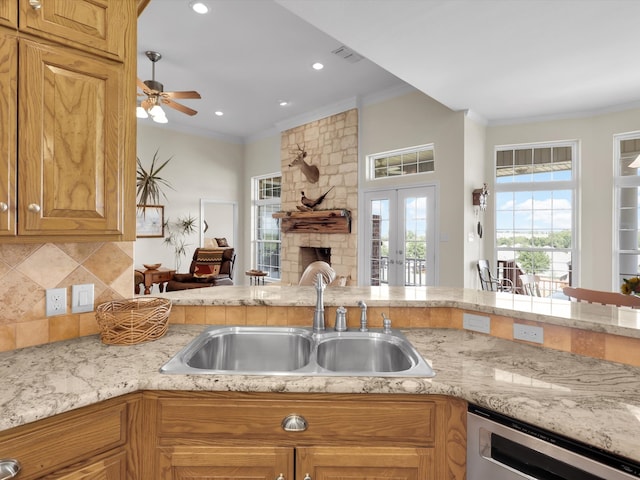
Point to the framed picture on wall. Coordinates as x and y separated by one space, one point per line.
150 221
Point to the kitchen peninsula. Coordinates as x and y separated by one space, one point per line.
586 398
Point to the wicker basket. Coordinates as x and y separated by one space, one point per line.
133 321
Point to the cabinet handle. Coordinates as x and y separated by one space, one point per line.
280 477
9 468
35 208
307 477
3 207
36 5
294 423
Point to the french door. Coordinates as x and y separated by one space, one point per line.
400 236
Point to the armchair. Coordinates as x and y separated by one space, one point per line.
209 267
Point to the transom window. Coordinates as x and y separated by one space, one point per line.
266 232
408 161
535 212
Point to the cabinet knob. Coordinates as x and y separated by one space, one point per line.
307 476
35 208
36 5
280 477
3 207
294 423
9 468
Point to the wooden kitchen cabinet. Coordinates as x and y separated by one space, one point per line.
93 442
67 164
9 13
211 434
98 26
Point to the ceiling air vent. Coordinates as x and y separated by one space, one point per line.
347 54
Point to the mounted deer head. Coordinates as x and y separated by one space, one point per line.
310 171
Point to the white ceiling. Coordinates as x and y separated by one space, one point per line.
505 60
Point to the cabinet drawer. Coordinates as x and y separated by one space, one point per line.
49 445
332 419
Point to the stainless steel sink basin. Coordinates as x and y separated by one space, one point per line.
298 351
365 352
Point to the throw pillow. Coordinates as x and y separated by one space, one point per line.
222 242
206 271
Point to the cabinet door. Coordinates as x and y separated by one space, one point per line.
8 120
71 149
338 463
255 463
112 467
97 24
9 13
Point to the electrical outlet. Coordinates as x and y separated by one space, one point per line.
56 301
82 298
528 333
477 323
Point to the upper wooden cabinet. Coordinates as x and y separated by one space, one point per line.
97 25
70 142
8 113
9 13
67 142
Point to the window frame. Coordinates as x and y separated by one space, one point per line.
571 185
256 203
371 160
620 182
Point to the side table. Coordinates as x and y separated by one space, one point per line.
158 275
256 277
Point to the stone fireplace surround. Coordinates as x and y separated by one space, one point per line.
332 145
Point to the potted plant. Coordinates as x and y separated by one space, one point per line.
176 233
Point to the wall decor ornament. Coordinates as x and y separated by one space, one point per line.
150 221
311 172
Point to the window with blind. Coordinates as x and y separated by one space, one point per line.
536 212
266 231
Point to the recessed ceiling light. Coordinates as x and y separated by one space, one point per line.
219 113
317 66
199 7
283 103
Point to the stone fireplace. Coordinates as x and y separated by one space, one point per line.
331 144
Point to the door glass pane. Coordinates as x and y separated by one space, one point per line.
415 241
379 257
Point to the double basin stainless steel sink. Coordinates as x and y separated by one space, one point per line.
298 351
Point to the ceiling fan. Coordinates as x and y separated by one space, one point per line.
156 96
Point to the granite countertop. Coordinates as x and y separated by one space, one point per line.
590 400
597 318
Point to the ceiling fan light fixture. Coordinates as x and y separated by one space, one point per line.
141 112
160 119
199 7
156 111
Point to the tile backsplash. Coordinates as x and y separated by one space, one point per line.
27 270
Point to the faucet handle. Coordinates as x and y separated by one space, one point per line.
341 320
386 324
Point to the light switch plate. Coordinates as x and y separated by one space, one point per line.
56 301
82 298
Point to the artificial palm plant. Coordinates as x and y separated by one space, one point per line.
176 232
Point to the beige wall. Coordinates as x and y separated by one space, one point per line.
201 167
596 170
416 119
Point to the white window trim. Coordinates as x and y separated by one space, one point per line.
619 182
256 202
573 185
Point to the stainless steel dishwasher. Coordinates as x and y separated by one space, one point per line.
502 448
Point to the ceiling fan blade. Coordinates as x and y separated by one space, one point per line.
179 107
186 94
142 86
